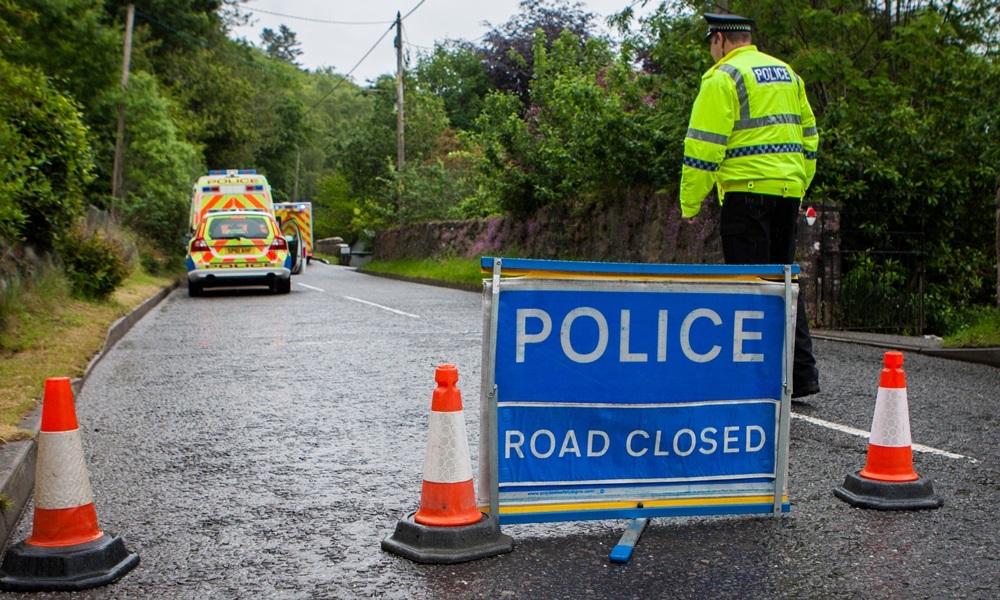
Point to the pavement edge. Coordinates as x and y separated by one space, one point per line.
17 459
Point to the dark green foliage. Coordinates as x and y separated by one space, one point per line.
281 45
160 167
69 41
334 210
45 159
877 295
592 129
456 73
94 264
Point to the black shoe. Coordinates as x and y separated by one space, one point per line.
805 389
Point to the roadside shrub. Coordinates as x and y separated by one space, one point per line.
95 265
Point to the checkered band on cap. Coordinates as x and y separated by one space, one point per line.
730 27
717 22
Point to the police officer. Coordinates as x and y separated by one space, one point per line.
753 137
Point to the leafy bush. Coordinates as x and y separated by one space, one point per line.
594 128
334 209
95 265
156 262
45 159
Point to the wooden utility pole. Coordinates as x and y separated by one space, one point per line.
400 144
295 190
117 178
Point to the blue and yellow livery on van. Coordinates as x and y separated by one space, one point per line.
232 189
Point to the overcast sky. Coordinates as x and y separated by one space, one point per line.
342 46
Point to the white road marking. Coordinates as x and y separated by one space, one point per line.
867 434
306 285
392 310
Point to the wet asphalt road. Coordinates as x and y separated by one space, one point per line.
256 446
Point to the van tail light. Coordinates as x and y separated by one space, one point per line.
279 243
199 245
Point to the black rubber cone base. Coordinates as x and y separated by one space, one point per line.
447 545
888 495
67 568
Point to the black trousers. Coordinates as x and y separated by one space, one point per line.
759 229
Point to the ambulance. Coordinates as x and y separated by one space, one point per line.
296 219
231 189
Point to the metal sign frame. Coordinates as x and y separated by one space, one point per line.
564 275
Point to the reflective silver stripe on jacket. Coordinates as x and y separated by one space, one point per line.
767 121
741 89
707 136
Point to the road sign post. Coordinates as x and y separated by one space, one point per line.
635 391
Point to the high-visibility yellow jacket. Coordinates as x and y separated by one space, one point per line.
751 130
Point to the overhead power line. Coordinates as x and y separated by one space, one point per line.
334 88
267 12
413 10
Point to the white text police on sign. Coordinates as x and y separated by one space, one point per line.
589 346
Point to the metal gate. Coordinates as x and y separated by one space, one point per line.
882 276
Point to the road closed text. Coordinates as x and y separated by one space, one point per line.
545 443
673 442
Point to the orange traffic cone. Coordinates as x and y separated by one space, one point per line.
888 481
448 527
448 498
66 549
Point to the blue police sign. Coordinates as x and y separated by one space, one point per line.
619 398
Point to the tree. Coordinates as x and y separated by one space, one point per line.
45 156
508 50
160 166
590 130
456 73
281 45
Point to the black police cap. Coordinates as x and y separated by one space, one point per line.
718 22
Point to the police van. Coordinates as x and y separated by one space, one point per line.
230 189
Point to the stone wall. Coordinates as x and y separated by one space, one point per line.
643 230
647 231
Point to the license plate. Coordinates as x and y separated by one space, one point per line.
239 250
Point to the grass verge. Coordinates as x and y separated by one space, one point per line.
47 333
982 332
463 271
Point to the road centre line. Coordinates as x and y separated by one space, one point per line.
392 310
306 285
867 434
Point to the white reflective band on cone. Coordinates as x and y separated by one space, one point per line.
891 425
61 479
447 459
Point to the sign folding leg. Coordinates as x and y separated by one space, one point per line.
623 551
